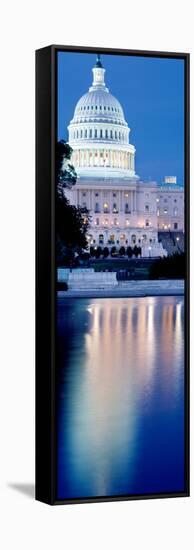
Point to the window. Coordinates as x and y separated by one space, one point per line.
112 238
165 210
165 200
90 132
115 221
84 194
147 195
106 133
115 207
84 205
95 133
133 239
81 133
101 107
96 194
88 107
147 223
147 207
105 107
97 221
85 133
175 225
111 134
105 207
115 135
96 107
126 207
175 200
100 133
97 207
101 239
114 194
127 222
175 211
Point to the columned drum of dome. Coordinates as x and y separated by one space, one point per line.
99 133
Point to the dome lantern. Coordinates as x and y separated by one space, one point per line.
98 75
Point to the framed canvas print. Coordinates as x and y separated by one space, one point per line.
112 285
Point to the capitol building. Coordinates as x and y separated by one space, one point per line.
123 209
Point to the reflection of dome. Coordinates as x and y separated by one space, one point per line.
99 133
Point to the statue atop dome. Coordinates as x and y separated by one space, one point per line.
98 61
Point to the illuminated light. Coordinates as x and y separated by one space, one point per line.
169 225
177 238
157 200
150 248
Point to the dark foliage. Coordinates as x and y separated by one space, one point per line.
92 251
71 222
98 252
106 252
172 267
113 250
129 252
122 251
65 172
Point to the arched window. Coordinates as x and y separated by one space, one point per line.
101 239
133 239
147 207
112 238
106 207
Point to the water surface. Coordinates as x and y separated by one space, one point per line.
120 417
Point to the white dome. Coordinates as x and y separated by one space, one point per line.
98 105
99 133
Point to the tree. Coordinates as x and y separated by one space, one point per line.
106 252
136 251
122 251
65 172
172 267
71 222
98 252
92 251
129 252
113 250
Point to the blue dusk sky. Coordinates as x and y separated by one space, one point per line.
151 93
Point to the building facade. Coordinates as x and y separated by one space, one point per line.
124 210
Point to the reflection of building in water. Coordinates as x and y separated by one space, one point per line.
133 353
125 211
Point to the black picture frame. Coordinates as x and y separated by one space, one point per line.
46 128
